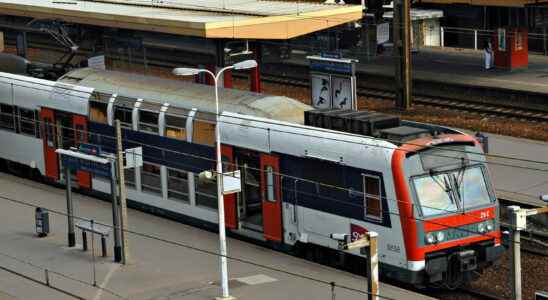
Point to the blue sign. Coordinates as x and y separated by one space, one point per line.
85 165
335 55
331 67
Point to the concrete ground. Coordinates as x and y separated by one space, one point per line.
517 178
157 270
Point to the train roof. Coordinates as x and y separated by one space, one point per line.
188 95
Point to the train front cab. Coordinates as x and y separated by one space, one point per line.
448 210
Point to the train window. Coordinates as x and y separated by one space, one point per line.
176 127
203 133
98 112
177 185
26 121
206 193
434 194
472 188
6 116
148 121
50 132
150 178
124 115
270 184
372 196
129 177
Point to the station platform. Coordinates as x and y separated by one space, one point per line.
157 270
448 73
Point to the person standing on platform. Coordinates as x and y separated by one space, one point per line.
488 54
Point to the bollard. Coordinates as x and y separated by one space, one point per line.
103 246
84 241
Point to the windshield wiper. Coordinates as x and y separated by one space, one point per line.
445 185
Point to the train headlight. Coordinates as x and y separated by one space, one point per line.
430 238
440 236
490 226
481 227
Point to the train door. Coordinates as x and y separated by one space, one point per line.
49 137
271 197
249 199
231 218
81 136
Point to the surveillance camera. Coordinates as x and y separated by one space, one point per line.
339 236
544 198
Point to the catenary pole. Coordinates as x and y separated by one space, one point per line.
121 192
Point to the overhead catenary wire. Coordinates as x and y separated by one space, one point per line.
322 184
70 91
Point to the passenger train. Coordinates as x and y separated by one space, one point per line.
428 196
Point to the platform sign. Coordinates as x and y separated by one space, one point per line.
333 81
342 92
97 62
383 33
76 160
321 91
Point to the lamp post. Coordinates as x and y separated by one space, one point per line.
247 64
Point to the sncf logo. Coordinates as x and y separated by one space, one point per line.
357 232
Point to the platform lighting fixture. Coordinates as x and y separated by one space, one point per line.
243 65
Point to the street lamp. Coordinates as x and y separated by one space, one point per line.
246 64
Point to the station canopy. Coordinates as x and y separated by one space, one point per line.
502 3
232 19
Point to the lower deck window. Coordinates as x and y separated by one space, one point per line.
6 117
206 193
177 185
372 196
150 178
129 177
27 122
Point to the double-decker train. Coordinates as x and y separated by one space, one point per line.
423 188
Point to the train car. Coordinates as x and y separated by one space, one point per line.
425 189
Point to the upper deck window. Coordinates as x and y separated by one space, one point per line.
148 121
98 112
176 127
124 115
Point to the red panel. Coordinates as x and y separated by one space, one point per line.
255 76
516 54
272 210
227 79
208 79
231 212
459 219
50 157
408 222
81 136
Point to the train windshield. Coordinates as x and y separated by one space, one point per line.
451 192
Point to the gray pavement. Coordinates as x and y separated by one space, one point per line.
157 270
514 178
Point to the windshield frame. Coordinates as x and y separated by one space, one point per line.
454 191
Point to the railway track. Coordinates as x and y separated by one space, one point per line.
487 110
507 111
